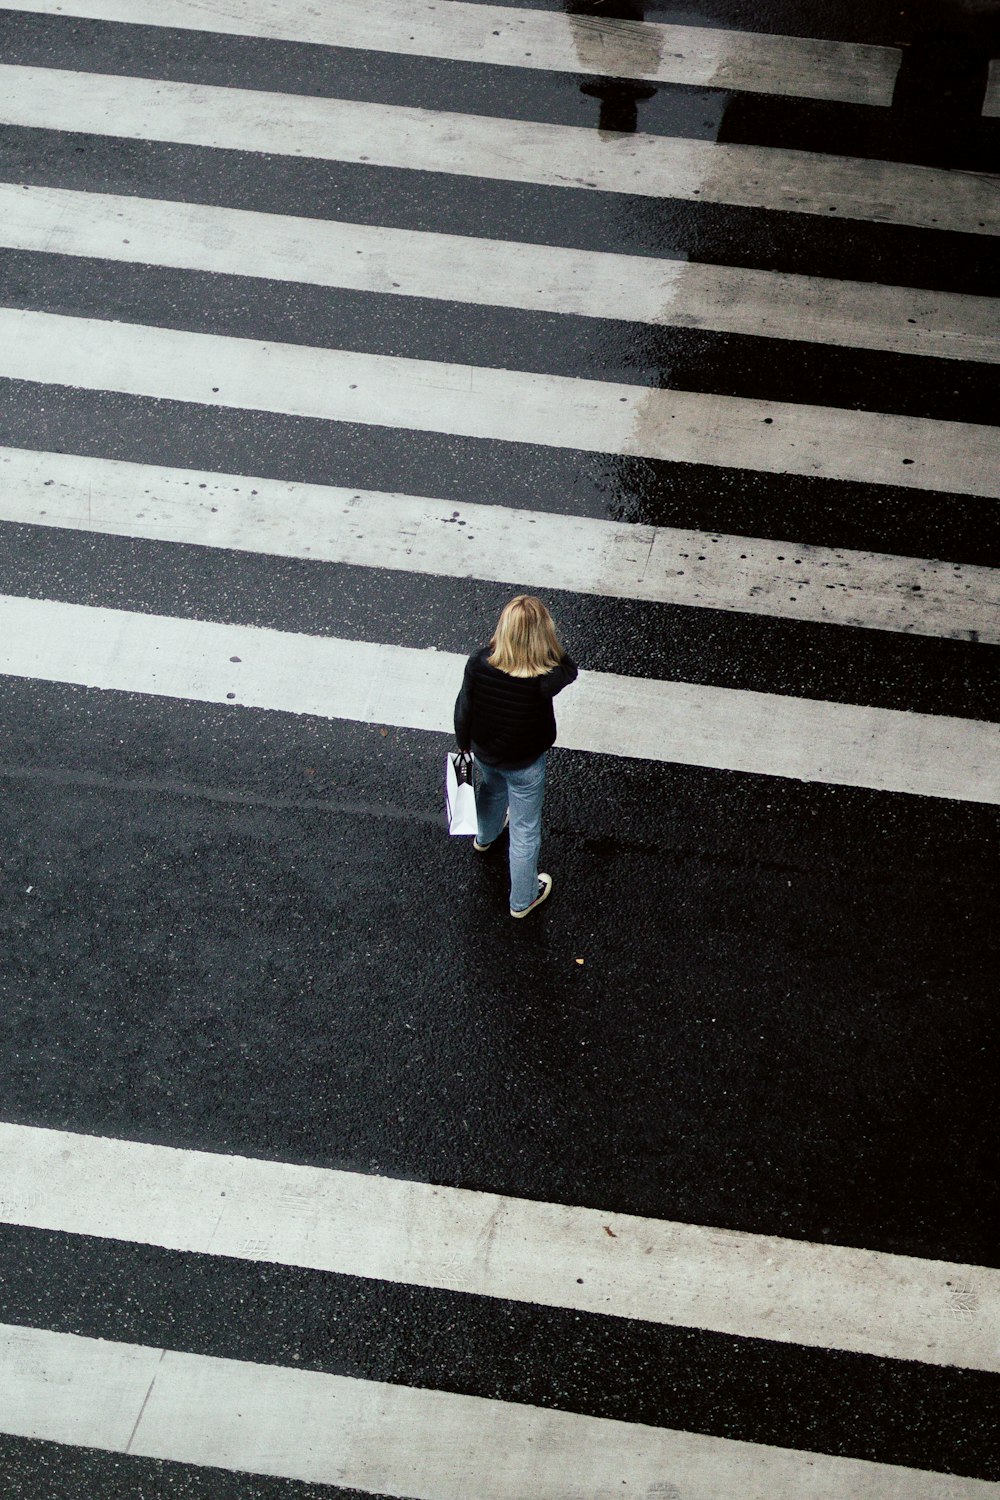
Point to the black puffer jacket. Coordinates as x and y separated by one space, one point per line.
508 721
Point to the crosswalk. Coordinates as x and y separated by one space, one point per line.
498 405
501 273
554 156
418 534
519 38
299 384
392 1439
384 1437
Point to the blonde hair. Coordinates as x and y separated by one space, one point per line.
525 643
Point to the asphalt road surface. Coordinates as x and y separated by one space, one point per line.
324 330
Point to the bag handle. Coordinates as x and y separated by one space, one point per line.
463 763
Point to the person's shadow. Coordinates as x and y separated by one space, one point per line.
619 98
940 88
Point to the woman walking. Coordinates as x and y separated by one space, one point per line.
504 716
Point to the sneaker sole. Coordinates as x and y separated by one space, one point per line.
547 880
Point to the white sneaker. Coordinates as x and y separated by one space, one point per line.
544 891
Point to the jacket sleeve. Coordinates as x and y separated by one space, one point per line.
561 676
463 710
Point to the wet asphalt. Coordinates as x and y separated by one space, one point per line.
789 1033
242 931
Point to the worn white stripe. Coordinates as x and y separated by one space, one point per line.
747 1285
95 1389
506 150
761 63
394 1439
803 738
501 273
528 549
509 405
991 103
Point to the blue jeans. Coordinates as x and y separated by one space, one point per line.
521 792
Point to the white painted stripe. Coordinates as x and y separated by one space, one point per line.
991 103
527 549
501 273
803 738
513 406
95 1389
658 1271
506 150
394 1439
808 67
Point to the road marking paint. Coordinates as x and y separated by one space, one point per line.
643 718
382 135
506 405
351 1224
395 1439
808 67
991 103
95 1389
500 273
527 549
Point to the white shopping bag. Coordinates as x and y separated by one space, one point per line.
460 794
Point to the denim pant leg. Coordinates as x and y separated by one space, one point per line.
525 790
491 802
